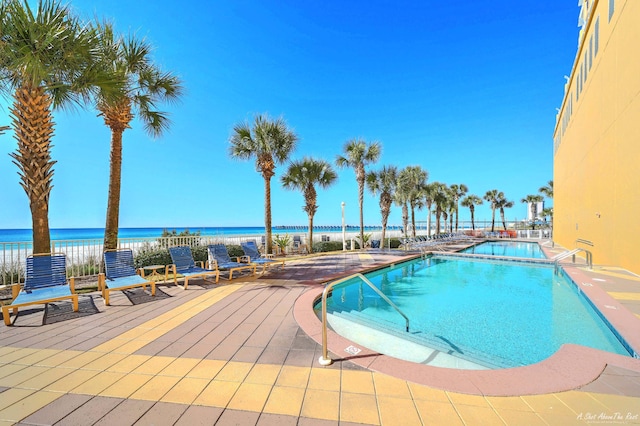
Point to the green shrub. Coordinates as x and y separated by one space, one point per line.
323 246
234 250
395 243
159 256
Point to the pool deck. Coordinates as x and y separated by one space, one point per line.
238 353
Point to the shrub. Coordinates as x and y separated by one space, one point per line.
234 250
395 243
323 246
158 256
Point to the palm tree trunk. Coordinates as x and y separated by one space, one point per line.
405 218
310 241
473 226
267 214
429 220
504 224
33 125
115 181
493 219
413 221
438 211
361 202
456 216
385 218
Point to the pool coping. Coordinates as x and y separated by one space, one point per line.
571 367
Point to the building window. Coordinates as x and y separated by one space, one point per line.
612 7
596 36
590 52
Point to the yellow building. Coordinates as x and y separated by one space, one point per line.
597 137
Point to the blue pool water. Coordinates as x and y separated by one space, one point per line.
496 314
507 248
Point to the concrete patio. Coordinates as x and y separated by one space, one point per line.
236 354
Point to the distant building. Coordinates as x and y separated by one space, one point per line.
597 137
538 211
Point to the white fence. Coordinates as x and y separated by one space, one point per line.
84 256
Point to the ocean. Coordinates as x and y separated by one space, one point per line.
25 235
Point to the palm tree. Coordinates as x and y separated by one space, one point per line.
383 182
413 181
441 200
502 203
305 175
145 86
471 201
357 155
492 196
271 143
48 60
458 191
547 190
428 193
533 200
401 198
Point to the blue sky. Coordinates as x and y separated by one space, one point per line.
467 90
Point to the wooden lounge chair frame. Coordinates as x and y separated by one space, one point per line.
218 261
184 265
45 282
120 274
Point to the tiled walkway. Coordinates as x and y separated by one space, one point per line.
235 354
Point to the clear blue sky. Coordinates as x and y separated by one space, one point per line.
467 90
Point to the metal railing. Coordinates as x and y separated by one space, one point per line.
566 254
324 358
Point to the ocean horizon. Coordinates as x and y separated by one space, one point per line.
26 235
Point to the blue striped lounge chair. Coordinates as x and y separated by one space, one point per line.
45 281
219 259
252 255
120 274
184 265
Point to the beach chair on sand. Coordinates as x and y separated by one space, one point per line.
220 260
120 274
184 265
45 281
252 255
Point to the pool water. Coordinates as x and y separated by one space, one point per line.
496 314
507 248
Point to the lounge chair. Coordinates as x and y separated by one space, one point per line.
120 274
298 246
45 281
252 255
184 265
219 259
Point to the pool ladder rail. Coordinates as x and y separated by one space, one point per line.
562 256
324 358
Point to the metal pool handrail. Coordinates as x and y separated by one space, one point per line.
324 358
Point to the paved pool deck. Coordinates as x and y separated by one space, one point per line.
238 353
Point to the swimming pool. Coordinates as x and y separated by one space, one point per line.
494 314
507 248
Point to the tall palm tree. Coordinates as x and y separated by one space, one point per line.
533 200
383 182
413 178
502 203
145 86
547 190
458 191
428 193
48 60
357 155
304 175
492 196
471 201
401 198
270 143
441 200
